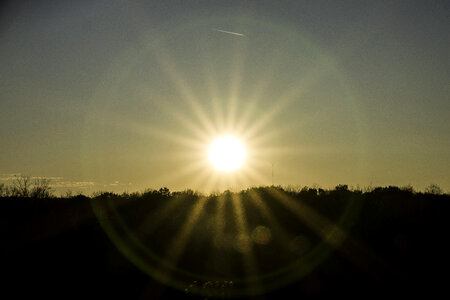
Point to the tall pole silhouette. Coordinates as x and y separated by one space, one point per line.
272 174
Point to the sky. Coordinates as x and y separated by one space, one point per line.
125 96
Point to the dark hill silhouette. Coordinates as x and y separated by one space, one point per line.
281 243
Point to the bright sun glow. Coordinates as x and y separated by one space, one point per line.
227 153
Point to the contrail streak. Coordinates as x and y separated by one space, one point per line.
229 32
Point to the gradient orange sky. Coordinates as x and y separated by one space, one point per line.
118 96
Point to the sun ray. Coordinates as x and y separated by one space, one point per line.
287 98
245 246
180 240
242 176
197 130
184 90
276 109
155 218
254 176
236 79
276 151
135 127
220 222
216 106
190 168
311 218
211 183
355 252
114 119
259 90
238 181
269 135
204 178
264 210
215 95
245 117
176 138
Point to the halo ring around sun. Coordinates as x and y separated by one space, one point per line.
123 235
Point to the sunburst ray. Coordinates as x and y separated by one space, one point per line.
184 90
273 223
354 251
246 248
155 218
179 242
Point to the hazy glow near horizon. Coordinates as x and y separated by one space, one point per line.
227 153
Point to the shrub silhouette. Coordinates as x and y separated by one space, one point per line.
433 189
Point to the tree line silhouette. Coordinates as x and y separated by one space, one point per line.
270 240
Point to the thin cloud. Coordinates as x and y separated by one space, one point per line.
73 184
8 177
117 183
14 176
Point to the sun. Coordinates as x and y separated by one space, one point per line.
227 153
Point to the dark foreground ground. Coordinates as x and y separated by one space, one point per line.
265 243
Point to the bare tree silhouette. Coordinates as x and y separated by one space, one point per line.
41 188
24 186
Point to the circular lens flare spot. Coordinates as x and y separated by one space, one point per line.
261 235
227 153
